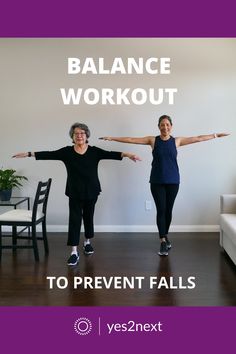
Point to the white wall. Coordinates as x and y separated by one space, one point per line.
34 118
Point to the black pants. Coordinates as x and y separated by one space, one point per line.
80 210
164 196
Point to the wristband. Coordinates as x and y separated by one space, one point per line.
215 135
29 154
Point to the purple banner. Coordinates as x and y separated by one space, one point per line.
63 329
123 19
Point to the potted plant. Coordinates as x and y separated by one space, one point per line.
8 180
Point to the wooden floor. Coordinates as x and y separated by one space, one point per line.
23 282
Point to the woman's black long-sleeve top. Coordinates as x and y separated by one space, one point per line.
82 169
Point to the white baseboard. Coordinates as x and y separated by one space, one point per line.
141 228
133 228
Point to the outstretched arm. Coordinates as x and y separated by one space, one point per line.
44 155
23 154
146 140
198 139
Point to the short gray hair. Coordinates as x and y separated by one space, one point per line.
80 126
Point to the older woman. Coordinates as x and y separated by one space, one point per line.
83 186
164 179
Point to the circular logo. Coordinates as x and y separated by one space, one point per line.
83 326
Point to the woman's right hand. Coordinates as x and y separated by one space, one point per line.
20 155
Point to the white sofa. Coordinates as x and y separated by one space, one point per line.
228 224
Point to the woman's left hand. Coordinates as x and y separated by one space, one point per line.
221 135
132 157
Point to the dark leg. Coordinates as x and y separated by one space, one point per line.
45 240
75 219
34 240
171 193
88 215
14 237
159 196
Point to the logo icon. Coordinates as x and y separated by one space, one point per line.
83 326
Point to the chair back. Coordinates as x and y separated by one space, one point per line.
41 197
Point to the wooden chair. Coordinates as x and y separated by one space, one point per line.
28 219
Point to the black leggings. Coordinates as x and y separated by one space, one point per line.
164 196
78 210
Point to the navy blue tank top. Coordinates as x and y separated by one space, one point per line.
165 169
